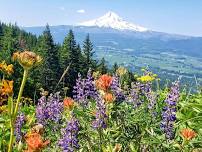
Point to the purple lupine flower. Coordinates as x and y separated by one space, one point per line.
84 89
90 89
49 109
134 95
101 116
20 120
69 141
146 87
40 110
116 89
78 91
150 95
169 111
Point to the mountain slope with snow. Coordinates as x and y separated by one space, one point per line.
112 20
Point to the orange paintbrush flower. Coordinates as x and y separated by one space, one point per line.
7 87
34 142
108 97
188 134
104 82
68 102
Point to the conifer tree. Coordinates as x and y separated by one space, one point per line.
82 64
69 54
88 54
1 35
114 68
102 67
8 44
50 68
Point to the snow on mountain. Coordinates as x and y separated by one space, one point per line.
112 20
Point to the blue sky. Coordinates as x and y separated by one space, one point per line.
172 16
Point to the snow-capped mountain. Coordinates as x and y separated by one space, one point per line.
112 20
134 46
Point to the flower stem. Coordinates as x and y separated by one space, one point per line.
20 92
11 136
12 120
100 139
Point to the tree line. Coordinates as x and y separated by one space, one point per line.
56 58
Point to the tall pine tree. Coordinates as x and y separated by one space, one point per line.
88 54
50 67
8 43
1 35
70 54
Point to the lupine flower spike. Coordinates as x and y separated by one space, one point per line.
20 120
101 116
84 89
169 111
69 141
49 109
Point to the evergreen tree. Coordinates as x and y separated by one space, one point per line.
88 54
102 67
82 64
70 54
50 69
12 39
64 53
8 44
1 35
114 68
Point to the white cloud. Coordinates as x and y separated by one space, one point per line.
81 11
62 8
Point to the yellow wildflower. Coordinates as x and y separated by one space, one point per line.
146 78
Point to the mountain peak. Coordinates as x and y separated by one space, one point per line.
111 14
112 20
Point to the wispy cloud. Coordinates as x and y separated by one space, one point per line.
62 8
81 11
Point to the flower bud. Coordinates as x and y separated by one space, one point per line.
27 59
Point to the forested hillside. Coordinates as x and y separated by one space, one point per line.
56 58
